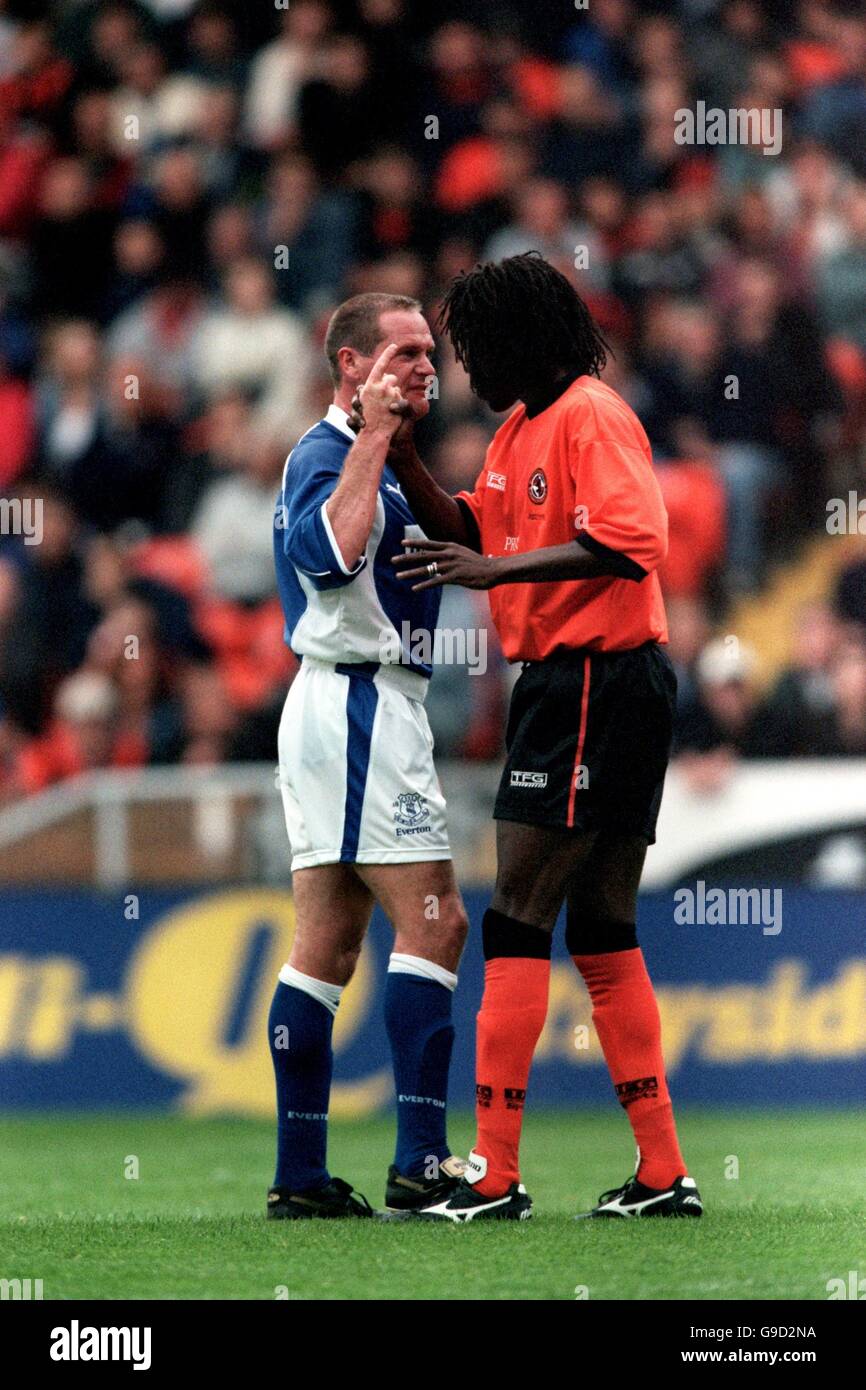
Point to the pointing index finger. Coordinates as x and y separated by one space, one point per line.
380 366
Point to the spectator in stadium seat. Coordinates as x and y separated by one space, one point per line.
162 330
318 229
834 111
70 244
106 442
215 446
479 174
391 49
805 194
167 105
68 398
178 203
543 222
849 599
844 735
280 69
100 37
455 86
212 50
803 699
85 735
603 43
661 260
393 213
230 238
726 39
224 164
252 343
146 707
230 527
17 425
24 152
726 720
110 170
208 718
139 255
125 475
589 137
841 282
38 78
340 116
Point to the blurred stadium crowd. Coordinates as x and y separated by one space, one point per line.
189 187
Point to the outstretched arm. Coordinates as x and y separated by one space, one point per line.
457 565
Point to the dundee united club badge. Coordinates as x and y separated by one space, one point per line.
538 486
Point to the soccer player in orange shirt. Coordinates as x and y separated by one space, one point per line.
566 527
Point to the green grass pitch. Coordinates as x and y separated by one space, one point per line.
191 1225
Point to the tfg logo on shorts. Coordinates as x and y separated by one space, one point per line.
529 779
77 1343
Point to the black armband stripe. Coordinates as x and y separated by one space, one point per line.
620 565
473 535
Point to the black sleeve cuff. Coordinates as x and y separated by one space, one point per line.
617 564
473 534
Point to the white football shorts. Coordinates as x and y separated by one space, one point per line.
356 767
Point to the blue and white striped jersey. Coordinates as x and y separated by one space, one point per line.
332 613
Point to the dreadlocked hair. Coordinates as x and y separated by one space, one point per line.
522 319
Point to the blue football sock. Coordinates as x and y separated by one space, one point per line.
418 1022
299 1032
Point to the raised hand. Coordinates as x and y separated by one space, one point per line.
379 406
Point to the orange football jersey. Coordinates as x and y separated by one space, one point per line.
579 470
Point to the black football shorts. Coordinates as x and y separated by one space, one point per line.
588 739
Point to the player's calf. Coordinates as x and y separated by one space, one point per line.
626 1019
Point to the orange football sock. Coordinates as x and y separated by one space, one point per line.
626 1018
512 1014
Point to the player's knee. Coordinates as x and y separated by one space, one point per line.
346 963
442 934
512 893
336 965
526 902
452 927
